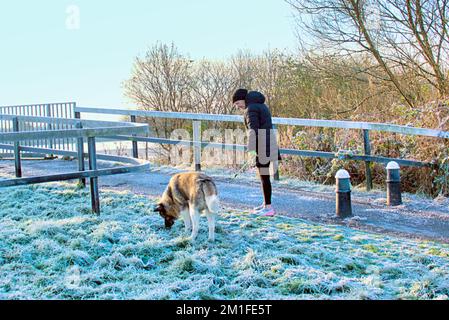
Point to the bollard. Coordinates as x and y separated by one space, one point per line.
343 190
394 197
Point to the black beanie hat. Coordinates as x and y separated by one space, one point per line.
240 94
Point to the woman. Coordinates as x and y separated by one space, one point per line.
262 143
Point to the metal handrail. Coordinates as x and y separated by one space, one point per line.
196 142
97 129
372 126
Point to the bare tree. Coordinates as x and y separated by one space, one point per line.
212 87
264 72
244 67
268 75
403 37
161 81
416 38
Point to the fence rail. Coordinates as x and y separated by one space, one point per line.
58 129
83 130
48 110
196 142
407 130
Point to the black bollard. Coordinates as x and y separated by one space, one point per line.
343 190
394 197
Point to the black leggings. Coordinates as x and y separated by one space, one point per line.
266 187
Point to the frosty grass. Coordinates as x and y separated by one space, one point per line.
52 247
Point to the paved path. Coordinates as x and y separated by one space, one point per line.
245 195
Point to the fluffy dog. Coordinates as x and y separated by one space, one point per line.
188 195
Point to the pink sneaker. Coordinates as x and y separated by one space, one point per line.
267 212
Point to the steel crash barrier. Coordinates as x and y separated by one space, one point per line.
197 143
80 130
50 110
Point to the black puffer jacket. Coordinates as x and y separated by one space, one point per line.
258 117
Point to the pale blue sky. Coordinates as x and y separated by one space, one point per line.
42 61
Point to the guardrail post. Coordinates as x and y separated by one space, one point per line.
343 190
135 144
275 166
197 145
17 160
80 150
49 126
94 194
367 147
394 197
147 157
276 163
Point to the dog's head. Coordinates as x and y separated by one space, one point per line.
168 213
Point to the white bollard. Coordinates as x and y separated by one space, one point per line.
394 197
343 191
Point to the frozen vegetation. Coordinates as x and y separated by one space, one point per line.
52 247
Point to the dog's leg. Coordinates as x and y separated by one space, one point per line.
195 216
187 221
211 224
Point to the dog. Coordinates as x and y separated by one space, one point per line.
188 195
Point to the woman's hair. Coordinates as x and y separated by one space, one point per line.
240 94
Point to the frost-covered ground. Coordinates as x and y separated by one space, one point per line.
52 247
419 217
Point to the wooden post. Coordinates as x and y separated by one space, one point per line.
147 157
135 144
367 146
276 162
94 194
18 164
80 150
275 170
197 145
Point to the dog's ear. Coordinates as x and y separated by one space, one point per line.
159 208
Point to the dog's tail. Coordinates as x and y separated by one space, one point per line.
211 195
213 203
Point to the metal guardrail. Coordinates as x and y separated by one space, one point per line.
85 130
45 131
407 130
197 144
50 110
